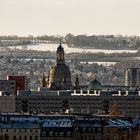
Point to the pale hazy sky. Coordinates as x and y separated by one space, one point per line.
39 17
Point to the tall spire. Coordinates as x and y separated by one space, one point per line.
43 82
76 83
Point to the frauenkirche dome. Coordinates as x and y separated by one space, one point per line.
59 76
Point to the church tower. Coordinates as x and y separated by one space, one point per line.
76 83
59 75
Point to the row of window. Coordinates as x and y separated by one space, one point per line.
88 129
7 137
84 100
25 137
61 134
19 130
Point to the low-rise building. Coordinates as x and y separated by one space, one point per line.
84 101
19 128
67 127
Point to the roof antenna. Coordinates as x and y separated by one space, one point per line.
60 41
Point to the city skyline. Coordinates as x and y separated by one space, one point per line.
69 16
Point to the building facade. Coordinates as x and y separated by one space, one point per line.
7 87
83 101
132 77
20 82
15 127
7 104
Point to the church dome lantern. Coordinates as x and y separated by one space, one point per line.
60 55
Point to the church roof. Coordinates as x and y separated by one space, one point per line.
61 71
94 85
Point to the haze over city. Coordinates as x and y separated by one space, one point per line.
69 70
38 17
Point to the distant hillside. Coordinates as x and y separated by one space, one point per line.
80 41
103 41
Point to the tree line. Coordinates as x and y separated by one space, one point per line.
82 41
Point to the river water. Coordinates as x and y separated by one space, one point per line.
53 47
